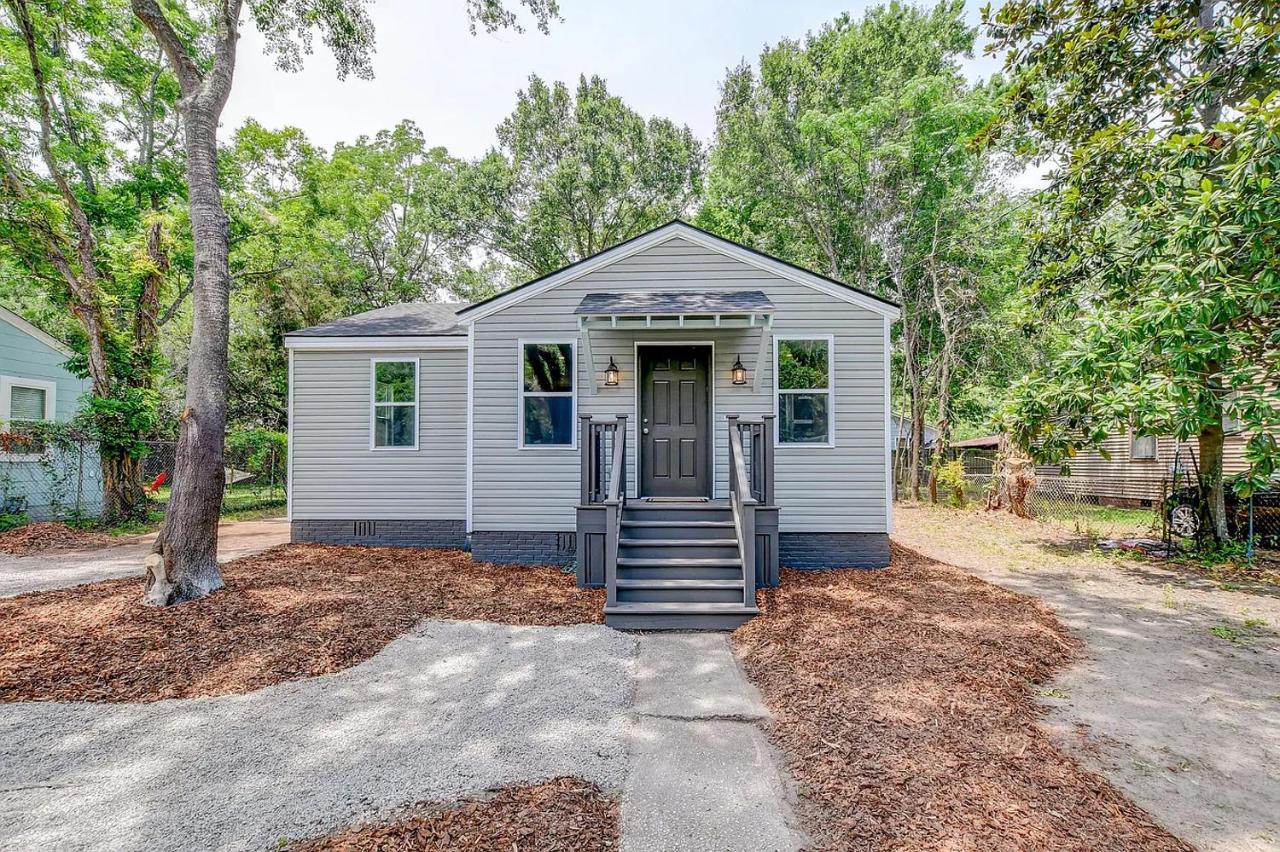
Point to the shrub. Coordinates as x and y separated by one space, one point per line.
13 520
950 479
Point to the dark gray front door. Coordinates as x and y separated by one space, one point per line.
675 421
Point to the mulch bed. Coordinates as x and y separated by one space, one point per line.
39 538
291 612
560 815
904 701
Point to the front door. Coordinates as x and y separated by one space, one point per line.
675 421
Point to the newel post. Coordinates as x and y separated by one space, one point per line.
584 448
766 455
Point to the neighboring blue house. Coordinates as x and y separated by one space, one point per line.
34 385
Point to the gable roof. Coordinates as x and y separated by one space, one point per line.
675 302
673 229
25 327
408 319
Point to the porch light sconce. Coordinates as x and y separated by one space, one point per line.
612 375
738 372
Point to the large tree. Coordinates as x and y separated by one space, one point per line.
849 152
577 172
1156 237
90 177
187 565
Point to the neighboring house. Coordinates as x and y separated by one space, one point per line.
901 428
663 414
1139 471
35 386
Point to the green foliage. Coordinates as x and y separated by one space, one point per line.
13 520
577 172
950 479
262 452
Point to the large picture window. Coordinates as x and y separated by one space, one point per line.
802 381
546 394
395 404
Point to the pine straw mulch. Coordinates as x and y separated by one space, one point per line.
291 612
903 699
46 536
560 815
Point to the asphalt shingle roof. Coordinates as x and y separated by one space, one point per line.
412 319
675 302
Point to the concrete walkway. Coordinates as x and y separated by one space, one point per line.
20 574
702 774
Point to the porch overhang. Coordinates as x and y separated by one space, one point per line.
676 309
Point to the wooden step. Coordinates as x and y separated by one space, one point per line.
659 590
677 562
678 616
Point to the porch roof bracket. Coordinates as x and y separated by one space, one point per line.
585 332
761 353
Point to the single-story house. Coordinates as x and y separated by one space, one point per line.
34 386
677 415
900 426
1137 470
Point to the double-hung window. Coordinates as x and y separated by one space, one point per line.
802 385
395 404
546 394
25 401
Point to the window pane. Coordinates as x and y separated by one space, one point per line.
393 426
802 364
548 367
548 420
394 381
26 403
802 418
1144 447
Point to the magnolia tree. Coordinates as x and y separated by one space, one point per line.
184 565
1156 240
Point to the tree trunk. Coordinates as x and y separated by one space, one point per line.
122 497
188 540
943 443
1210 458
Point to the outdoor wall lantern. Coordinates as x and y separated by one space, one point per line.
738 372
611 374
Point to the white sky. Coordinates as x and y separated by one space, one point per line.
662 57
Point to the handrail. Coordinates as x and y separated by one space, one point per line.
743 503
606 492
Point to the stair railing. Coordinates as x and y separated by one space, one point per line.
744 486
604 483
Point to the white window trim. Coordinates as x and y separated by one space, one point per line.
520 394
373 403
7 383
50 410
830 391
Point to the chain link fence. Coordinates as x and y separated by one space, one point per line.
1102 507
65 482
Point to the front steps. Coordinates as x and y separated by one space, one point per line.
678 569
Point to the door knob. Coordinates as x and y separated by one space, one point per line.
646 430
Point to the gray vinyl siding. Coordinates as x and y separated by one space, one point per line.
335 473
828 489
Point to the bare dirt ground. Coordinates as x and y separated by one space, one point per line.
1177 697
123 557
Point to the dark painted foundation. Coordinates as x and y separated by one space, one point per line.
381 533
817 551
524 547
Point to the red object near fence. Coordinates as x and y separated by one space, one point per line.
155 484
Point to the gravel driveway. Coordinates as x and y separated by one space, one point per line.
1184 719
19 574
448 710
